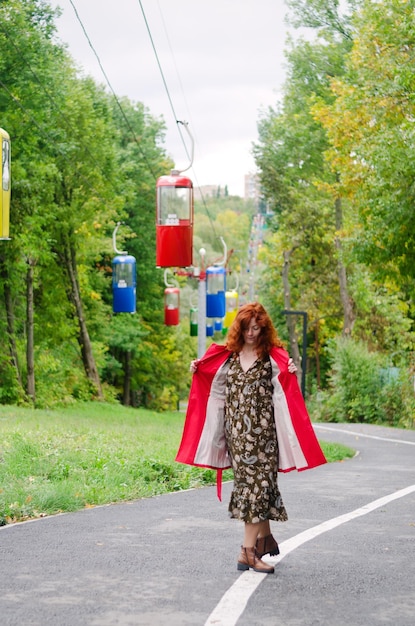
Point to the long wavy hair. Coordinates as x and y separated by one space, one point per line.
268 336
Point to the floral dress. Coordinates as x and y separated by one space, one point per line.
252 443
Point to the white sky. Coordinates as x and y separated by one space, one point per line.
223 61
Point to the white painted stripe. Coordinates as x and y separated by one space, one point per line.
234 601
356 434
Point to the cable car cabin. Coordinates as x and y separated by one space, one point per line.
5 185
124 284
218 325
171 306
194 322
209 328
231 299
174 221
215 291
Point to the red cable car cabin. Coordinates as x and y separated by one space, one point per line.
174 221
171 306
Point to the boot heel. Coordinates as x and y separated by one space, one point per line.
249 558
267 545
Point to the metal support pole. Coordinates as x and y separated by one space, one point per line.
201 307
201 317
304 352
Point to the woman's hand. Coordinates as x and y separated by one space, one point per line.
292 368
193 366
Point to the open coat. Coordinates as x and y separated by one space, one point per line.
203 442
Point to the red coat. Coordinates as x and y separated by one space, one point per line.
203 441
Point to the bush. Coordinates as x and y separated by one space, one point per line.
360 389
10 390
398 402
167 400
60 378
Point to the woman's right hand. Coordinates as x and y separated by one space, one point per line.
193 366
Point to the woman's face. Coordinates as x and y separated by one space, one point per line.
251 334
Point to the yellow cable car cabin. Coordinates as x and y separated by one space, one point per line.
5 185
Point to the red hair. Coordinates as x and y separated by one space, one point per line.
267 338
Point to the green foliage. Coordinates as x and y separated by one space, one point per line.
342 129
297 181
88 454
370 130
364 388
229 217
398 398
336 452
59 378
341 136
10 390
78 168
330 18
356 379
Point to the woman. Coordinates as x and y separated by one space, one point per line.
246 410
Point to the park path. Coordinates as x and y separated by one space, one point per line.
172 559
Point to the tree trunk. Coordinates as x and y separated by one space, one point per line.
349 316
126 400
8 302
291 319
30 360
83 335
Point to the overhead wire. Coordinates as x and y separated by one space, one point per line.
162 75
112 90
170 99
175 67
164 83
131 129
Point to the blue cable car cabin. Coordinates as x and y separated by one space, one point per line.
209 328
215 291
124 284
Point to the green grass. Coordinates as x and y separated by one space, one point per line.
92 453
336 452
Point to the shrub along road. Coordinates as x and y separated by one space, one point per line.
172 559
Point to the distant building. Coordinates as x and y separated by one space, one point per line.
252 191
209 191
252 187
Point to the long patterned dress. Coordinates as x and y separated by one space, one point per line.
252 443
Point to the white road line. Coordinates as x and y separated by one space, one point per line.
234 601
356 434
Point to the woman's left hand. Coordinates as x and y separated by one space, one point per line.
292 368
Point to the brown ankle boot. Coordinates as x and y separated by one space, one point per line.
249 558
267 545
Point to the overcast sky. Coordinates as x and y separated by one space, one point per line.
222 60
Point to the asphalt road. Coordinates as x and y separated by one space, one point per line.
171 560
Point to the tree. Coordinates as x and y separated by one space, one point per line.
25 44
370 128
295 178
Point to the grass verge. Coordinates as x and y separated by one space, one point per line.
91 454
